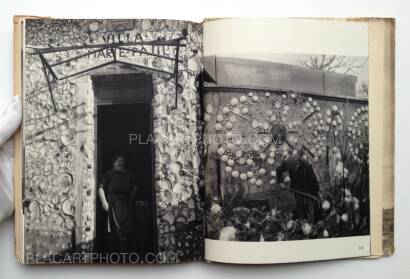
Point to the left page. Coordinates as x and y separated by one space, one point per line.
109 153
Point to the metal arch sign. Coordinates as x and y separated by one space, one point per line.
113 51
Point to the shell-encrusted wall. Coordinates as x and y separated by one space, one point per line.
249 134
59 159
59 168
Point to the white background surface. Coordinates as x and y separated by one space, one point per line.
397 266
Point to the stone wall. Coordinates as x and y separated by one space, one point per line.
59 160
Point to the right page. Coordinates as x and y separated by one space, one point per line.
298 139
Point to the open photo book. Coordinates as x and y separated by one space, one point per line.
237 140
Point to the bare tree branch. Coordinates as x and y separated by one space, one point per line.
332 63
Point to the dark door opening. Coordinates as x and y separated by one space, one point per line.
125 127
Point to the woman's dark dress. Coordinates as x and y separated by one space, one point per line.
119 188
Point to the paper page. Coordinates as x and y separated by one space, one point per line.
287 105
110 159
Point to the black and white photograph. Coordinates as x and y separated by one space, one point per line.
155 141
107 177
181 139
286 147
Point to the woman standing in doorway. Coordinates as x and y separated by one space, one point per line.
117 192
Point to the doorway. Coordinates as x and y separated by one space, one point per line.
124 126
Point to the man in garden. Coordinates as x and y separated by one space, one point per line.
303 183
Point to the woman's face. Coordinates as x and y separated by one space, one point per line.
119 164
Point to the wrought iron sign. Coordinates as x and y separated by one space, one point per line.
112 48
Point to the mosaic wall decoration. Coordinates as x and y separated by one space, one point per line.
250 133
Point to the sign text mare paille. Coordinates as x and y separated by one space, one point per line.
128 37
